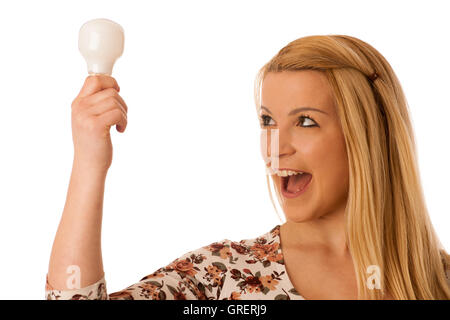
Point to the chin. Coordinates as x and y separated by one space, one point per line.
298 216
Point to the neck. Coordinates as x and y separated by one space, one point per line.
326 233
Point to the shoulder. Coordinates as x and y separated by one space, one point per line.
223 254
248 249
206 268
249 268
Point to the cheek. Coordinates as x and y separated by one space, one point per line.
332 171
327 160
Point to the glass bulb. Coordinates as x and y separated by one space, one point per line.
101 43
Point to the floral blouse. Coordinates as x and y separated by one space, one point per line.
251 269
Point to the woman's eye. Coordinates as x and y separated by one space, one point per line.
301 118
265 119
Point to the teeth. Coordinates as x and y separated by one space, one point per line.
285 173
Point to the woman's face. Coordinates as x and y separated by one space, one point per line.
309 141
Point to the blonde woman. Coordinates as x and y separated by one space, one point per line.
342 158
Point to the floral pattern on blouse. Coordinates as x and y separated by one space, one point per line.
251 269
223 270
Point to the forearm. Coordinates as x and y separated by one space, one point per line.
78 238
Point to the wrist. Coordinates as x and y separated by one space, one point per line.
89 168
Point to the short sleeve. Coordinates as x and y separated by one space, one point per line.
196 275
95 291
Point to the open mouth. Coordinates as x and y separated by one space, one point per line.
295 185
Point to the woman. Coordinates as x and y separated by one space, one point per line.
342 157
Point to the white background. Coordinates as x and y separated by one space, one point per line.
188 170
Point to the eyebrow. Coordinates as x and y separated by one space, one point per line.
297 110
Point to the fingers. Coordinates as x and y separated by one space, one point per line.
102 95
96 83
105 105
112 117
99 97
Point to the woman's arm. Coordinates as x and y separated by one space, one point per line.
76 258
78 238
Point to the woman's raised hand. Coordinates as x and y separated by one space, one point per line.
97 107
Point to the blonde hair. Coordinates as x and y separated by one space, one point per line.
387 222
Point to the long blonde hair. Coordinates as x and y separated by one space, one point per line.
387 220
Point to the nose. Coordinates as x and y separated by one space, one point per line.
275 145
285 146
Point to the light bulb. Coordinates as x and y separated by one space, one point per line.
100 42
